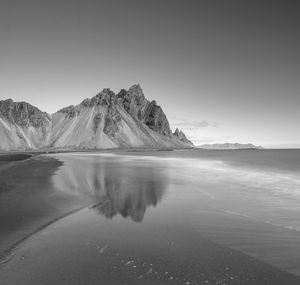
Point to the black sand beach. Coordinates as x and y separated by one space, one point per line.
27 200
141 222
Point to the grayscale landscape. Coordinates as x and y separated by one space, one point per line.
125 120
149 142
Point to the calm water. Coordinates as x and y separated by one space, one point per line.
178 217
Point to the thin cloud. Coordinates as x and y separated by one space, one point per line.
192 125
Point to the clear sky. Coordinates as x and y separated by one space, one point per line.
223 71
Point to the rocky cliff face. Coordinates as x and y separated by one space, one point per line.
23 114
107 120
149 113
23 126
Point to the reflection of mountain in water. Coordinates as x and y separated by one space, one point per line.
115 186
129 202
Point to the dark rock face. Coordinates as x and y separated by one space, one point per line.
133 101
112 120
105 98
23 114
70 111
96 121
108 100
155 119
149 113
181 136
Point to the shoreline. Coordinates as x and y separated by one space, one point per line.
32 153
25 210
27 200
11 157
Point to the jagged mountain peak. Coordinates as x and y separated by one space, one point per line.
23 114
181 136
106 97
107 120
149 113
176 133
136 91
70 111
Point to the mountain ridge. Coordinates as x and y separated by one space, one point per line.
229 146
107 120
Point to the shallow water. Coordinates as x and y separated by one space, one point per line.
181 217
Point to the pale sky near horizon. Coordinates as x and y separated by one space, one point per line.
223 71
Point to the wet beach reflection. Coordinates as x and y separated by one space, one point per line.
113 188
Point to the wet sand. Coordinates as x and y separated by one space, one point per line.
7 159
106 253
27 198
145 227
13 157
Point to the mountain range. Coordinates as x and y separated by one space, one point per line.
229 146
107 120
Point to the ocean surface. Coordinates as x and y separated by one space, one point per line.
165 217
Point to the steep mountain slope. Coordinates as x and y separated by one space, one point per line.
181 136
149 113
23 126
125 120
